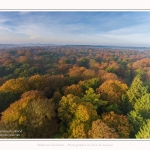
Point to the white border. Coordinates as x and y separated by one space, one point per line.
74 4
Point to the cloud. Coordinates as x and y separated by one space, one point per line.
104 28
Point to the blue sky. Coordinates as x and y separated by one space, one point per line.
93 28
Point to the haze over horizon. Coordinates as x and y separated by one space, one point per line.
76 28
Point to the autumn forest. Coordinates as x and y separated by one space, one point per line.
74 92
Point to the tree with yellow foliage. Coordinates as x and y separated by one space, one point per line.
67 107
77 129
19 85
84 115
33 114
37 82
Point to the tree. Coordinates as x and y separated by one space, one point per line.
74 89
144 132
140 112
64 60
77 130
91 83
113 107
83 62
57 97
119 122
11 91
112 90
142 65
33 114
136 120
67 107
136 90
101 130
55 81
93 98
142 106
19 85
24 59
81 123
6 98
85 112
76 72
37 82
88 74
108 76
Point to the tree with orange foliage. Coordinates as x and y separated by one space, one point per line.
112 90
76 71
108 76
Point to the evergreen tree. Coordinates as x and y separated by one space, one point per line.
136 90
144 131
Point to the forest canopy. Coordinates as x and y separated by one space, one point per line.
74 92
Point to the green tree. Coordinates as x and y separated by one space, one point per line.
144 132
142 106
91 83
136 91
136 120
83 62
6 98
113 107
93 98
140 112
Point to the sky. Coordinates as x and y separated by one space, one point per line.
109 28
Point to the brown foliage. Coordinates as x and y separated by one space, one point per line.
55 81
101 130
119 122
74 89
